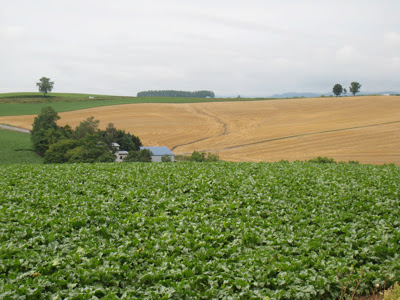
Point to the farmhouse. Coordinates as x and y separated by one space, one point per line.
119 155
159 152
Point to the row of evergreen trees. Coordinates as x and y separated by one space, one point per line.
180 94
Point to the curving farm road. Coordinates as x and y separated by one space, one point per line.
13 128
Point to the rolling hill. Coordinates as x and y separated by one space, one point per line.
363 128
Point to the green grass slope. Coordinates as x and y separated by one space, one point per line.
16 148
198 231
37 97
13 104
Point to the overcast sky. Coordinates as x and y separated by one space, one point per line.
232 47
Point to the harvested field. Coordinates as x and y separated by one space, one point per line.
365 128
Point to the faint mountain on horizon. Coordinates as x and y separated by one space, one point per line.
382 93
295 94
312 95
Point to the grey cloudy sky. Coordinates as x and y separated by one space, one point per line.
251 48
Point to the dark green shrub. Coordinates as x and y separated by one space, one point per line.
198 157
212 157
143 155
85 150
203 157
57 151
322 160
166 158
283 161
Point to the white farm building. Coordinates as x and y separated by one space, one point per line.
119 155
159 152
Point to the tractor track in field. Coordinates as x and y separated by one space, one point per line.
301 135
206 113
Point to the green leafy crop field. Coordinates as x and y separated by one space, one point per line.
16 148
16 104
201 231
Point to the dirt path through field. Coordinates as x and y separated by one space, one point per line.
364 128
13 128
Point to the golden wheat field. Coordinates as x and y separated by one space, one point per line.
364 128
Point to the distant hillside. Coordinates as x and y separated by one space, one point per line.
313 95
10 103
344 128
294 94
382 93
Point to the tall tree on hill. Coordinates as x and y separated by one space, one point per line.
337 89
354 87
45 85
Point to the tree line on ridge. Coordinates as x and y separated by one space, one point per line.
179 94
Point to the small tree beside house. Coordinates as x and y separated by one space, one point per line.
159 152
143 155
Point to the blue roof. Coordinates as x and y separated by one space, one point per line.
159 150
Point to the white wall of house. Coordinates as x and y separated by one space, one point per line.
157 158
158 152
120 156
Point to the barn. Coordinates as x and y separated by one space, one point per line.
159 152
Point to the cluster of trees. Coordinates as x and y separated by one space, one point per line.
179 94
354 89
86 143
